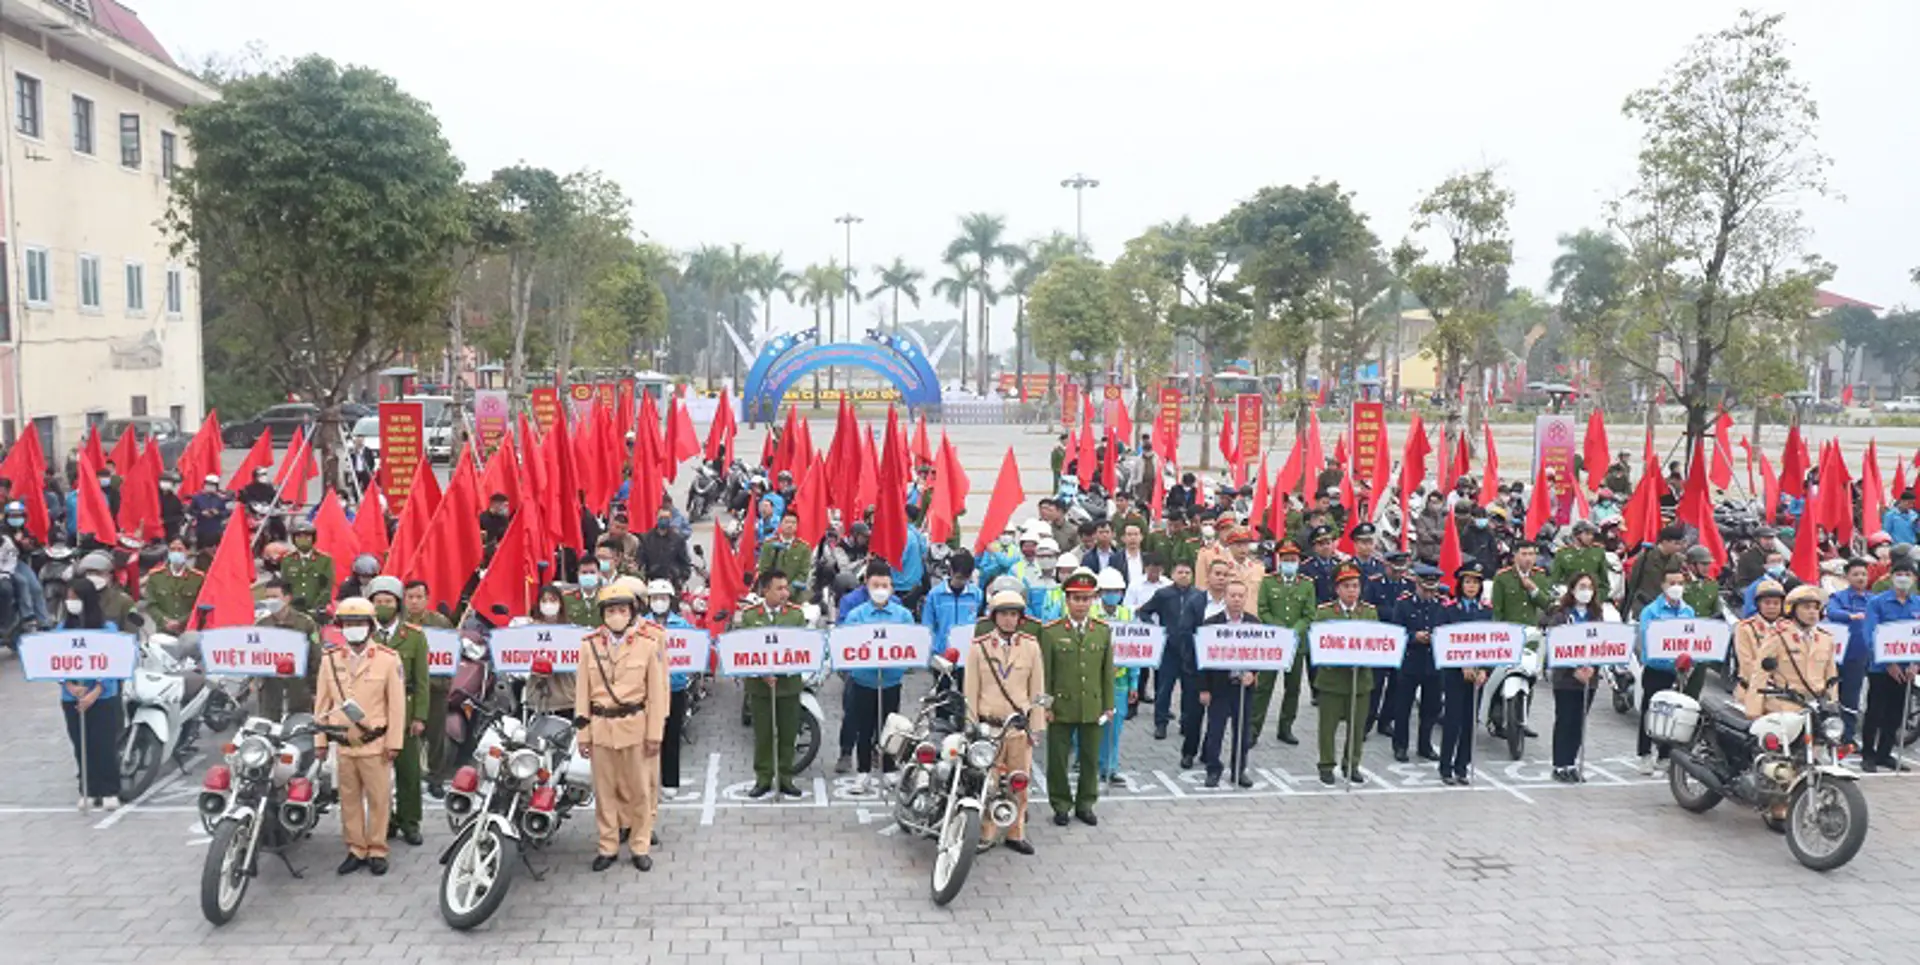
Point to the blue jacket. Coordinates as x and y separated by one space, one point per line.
913 562
1180 612
1659 609
944 609
1887 608
1747 606
109 689
849 601
1841 608
991 563
675 681
1899 525
73 514
866 612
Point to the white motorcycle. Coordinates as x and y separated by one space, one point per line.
1507 696
166 701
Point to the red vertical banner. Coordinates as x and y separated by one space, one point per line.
608 393
1070 404
1109 393
580 397
1247 412
546 407
1369 422
1167 422
402 447
1553 448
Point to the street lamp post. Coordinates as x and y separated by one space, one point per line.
849 219
1079 183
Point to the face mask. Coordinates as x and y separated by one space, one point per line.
1583 595
356 633
549 608
589 579
74 607
606 566
384 613
18 521
166 487
1045 563
1775 569
1206 532
1674 593
1289 569
659 605
1881 554
1110 599
176 558
272 604
106 481
880 596
1480 522
99 582
617 620
1903 583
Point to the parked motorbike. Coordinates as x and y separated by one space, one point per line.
1783 758
268 795
473 681
948 779
166 703
1506 698
526 780
702 492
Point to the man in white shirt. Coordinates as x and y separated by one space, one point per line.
1152 578
1133 563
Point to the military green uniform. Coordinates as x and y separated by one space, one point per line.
1131 519
170 596
1704 596
1079 672
1058 459
578 610
1182 548
1343 693
437 690
1513 604
309 578
292 695
115 605
411 644
773 759
1283 603
795 559
1575 560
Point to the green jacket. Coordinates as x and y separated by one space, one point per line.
309 579
170 596
1079 669
1513 604
115 604
578 610
1287 603
279 697
1342 680
431 620
785 685
795 559
1573 561
1131 519
408 641
1704 596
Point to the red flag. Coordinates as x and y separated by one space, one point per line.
681 442
720 433
727 587
201 457
1348 500
452 551
1806 541
1258 511
25 467
1770 488
502 477
140 496
95 518
1491 466
1292 473
889 537
768 453
511 578
1229 450
422 501
1722 473
645 471
1538 508
332 534
1083 462
950 488
1413 470
810 501
1277 496
1312 457
1899 480
1382 471
1836 496
1596 453
228 589
1747 448
126 451
1696 507
1008 495
868 485
296 471
1108 474
258 457
1873 495
92 455
1450 555
844 462
1642 524
562 509
1166 440
1119 420
746 555
541 539
922 449
789 436
624 412
1846 395
1340 454
1794 464
370 524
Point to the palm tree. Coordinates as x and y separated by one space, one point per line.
817 285
955 288
765 274
844 290
711 268
982 238
1032 262
901 280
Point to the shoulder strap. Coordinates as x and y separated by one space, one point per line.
999 680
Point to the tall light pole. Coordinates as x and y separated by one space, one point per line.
846 279
1079 183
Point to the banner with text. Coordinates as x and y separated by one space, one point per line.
245 651
545 402
514 649
1840 636
1554 441
1070 404
1356 643
1369 442
766 651
881 646
689 650
491 413
1704 640
1244 646
443 651
1482 644
1589 644
79 655
1137 644
1168 418
1897 642
1247 408
402 447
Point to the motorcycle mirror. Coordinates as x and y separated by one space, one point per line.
953 656
1770 664
1683 663
700 551
136 621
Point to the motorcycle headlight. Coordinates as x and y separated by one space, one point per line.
254 753
473 650
1832 729
980 754
523 765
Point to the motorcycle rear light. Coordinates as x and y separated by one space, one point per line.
924 754
219 778
1018 781
299 790
543 799
1771 742
466 780
542 775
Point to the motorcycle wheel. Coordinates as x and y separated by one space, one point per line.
223 875
1514 717
141 766
1826 823
221 712
475 880
1690 794
954 855
1621 702
806 744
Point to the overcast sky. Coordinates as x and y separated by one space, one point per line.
759 122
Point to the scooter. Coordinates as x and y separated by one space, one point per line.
1507 697
166 701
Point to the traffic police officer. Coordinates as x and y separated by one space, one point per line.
1419 611
407 640
1342 689
622 695
362 679
309 572
1009 678
172 587
1078 649
774 700
1287 599
1458 684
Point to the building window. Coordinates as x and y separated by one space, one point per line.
176 292
39 278
178 413
130 141
90 283
26 105
82 125
46 426
138 406
136 288
169 155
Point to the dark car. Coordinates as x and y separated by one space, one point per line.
171 440
279 420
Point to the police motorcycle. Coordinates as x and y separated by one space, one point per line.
1785 758
947 777
267 795
525 780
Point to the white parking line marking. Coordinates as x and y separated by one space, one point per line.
712 798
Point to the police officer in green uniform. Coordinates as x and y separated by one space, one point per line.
391 629
1286 600
789 554
309 572
1585 555
172 587
1703 591
1078 650
280 697
1343 690
427 618
1521 593
774 700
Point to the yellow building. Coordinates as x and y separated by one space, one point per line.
99 318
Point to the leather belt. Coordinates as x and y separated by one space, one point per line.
617 710
368 736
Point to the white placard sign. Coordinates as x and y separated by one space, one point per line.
252 651
689 649
1704 640
1478 644
79 655
514 649
1897 642
880 646
1840 637
1356 643
443 651
765 651
1589 644
1244 646
960 637
1138 644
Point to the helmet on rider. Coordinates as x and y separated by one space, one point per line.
366 566
355 617
1007 600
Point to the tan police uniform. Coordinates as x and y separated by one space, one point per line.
621 690
371 678
1805 665
1009 673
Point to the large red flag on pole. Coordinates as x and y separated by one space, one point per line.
1806 540
1873 494
370 524
1794 464
258 457
889 537
720 434
228 589
510 578
1413 470
1696 507
1721 475
332 534
25 467
1595 452
1008 495
1769 488
810 501
1490 463
1451 557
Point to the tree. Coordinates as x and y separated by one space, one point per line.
1145 292
328 204
1072 313
626 310
1211 309
588 244
1355 286
1288 241
1035 258
764 275
1463 285
818 285
1590 276
955 288
1718 270
1855 328
900 279
982 238
716 270
532 214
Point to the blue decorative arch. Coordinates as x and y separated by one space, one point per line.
786 358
